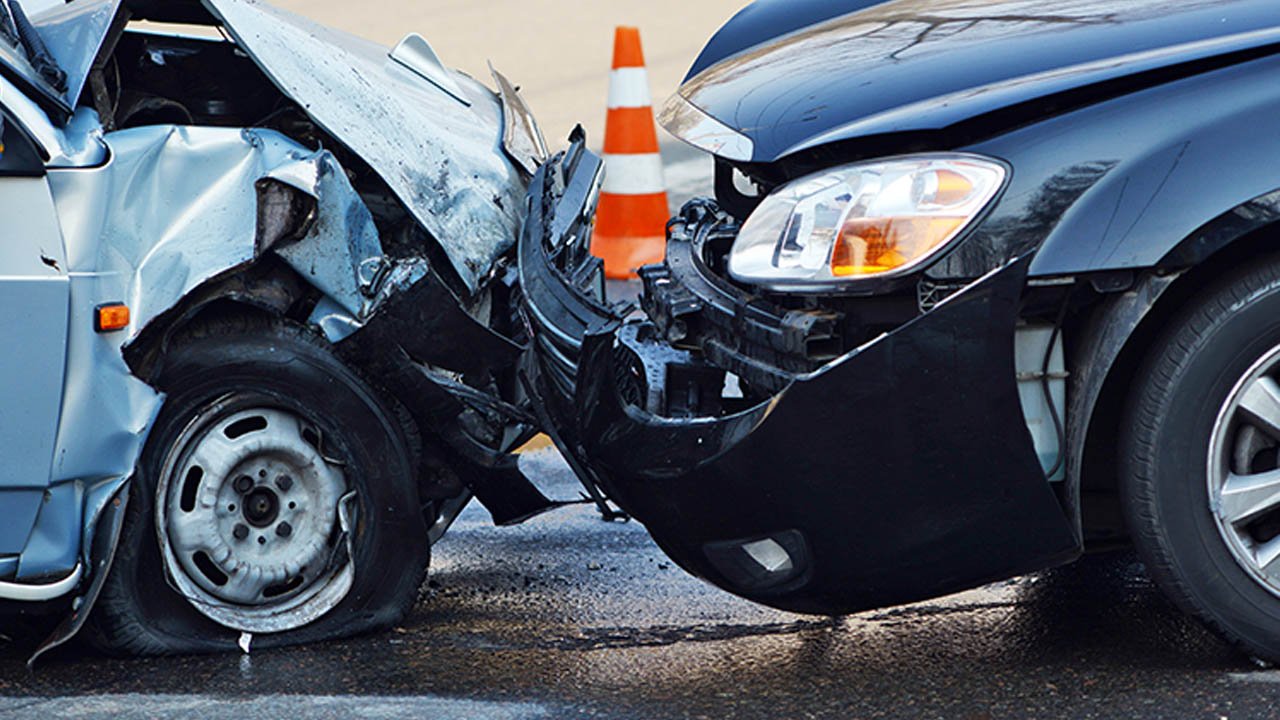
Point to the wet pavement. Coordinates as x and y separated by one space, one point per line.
568 616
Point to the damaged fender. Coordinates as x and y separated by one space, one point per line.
171 210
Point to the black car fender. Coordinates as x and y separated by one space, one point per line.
1163 186
1135 182
1112 343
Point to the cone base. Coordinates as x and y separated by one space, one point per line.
623 255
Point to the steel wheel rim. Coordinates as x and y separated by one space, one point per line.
1244 471
252 517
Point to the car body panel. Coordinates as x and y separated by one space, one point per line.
35 287
74 32
176 219
1122 184
443 159
77 143
766 20
34 291
174 208
1136 139
903 66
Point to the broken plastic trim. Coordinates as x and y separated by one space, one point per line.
557 270
421 342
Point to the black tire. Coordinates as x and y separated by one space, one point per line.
1189 374
140 613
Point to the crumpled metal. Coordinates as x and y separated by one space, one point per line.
174 208
441 158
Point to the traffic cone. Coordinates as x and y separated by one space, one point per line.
632 217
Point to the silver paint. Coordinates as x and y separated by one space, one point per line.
415 53
77 144
146 215
34 290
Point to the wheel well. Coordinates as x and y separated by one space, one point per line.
1101 517
268 289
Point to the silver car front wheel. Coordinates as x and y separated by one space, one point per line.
252 516
276 497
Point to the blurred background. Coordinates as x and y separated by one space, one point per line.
558 51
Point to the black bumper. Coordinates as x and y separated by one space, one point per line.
899 471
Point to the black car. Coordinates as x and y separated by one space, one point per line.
985 284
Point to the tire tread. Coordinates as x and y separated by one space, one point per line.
1171 356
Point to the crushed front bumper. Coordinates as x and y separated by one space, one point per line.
898 471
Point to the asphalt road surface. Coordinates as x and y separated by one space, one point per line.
568 616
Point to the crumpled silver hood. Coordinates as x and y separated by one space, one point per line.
442 159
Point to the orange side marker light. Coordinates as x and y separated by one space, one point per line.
111 316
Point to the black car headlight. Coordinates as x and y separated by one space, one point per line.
872 219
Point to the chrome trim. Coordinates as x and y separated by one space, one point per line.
30 592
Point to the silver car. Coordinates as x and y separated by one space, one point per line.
256 295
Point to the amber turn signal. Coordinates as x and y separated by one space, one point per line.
111 316
871 246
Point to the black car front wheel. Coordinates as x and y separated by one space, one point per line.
1201 480
274 502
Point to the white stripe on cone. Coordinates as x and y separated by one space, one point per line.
633 174
629 88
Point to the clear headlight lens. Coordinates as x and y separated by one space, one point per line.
863 220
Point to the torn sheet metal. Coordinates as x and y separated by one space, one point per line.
443 160
174 207
522 138
340 253
108 502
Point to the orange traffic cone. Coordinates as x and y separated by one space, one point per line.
632 217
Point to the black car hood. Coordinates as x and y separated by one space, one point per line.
864 68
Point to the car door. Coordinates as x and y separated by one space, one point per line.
34 296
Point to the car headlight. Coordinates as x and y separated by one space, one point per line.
865 220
